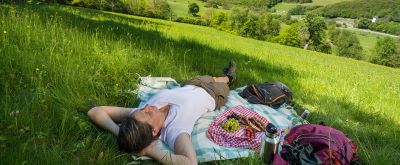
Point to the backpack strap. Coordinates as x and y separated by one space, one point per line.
254 89
277 98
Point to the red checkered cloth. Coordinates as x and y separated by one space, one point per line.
236 139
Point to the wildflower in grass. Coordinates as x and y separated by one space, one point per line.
2 138
5 32
12 76
14 113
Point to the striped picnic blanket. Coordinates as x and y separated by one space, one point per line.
206 150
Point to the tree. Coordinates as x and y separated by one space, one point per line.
387 53
158 9
194 9
112 4
219 20
333 33
237 18
348 45
295 35
298 10
212 3
208 14
305 1
140 7
316 26
270 3
267 27
260 26
363 23
249 28
324 47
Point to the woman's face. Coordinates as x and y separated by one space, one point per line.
150 115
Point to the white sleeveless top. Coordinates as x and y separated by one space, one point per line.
187 104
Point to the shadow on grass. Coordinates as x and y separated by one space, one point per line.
194 57
186 56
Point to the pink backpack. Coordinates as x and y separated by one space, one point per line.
317 144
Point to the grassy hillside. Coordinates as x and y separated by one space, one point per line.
55 59
325 2
180 7
285 7
368 41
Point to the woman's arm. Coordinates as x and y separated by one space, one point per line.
184 152
107 117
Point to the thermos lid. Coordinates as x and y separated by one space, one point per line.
270 128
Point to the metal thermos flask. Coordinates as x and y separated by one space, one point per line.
269 144
305 114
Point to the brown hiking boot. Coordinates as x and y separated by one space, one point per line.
230 72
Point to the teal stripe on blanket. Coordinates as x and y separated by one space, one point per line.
200 130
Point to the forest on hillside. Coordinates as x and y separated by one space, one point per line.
386 9
387 13
254 19
257 4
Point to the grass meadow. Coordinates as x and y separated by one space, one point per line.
284 7
368 42
56 59
181 9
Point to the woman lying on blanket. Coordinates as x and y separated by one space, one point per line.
169 115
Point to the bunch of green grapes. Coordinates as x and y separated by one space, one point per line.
232 125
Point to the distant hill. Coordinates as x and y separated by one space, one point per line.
387 9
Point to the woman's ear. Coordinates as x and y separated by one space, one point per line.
155 132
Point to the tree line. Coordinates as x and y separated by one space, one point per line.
309 34
243 22
325 37
147 8
313 33
252 4
380 26
387 11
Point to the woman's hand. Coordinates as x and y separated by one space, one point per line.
184 152
107 117
151 148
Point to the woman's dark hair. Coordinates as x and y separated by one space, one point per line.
134 136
